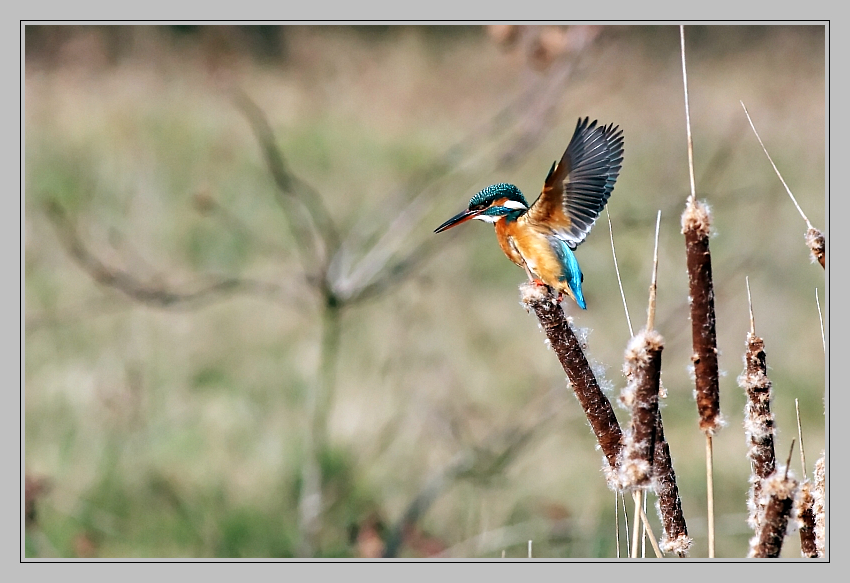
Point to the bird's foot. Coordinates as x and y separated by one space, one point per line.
539 283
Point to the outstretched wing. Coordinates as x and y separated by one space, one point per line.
578 187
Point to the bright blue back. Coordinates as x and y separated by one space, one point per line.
571 271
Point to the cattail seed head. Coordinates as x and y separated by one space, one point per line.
759 425
696 225
817 245
643 366
696 218
668 504
805 515
777 499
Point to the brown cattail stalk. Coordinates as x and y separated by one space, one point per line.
696 223
596 405
758 422
669 505
819 504
814 238
778 495
643 369
805 501
806 516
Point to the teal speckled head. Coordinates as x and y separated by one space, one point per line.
494 192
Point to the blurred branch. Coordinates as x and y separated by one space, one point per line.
314 231
154 295
319 404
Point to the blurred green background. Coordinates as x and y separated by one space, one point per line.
185 430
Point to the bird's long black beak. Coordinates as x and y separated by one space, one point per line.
459 218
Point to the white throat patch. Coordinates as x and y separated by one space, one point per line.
488 218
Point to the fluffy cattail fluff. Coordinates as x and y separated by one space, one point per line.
643 371
819 504
806 516
758 424
777 499
696 225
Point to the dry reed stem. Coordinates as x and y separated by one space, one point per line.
596 405
709 492
779 491
636 526
820 319
800 437
669 504
653 286
819 505
758 424
617 271
653 541
814 238
617 522
626 521
687 113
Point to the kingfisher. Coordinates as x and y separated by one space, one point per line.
541 238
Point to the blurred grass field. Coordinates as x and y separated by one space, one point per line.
180 432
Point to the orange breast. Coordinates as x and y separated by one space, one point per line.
527 246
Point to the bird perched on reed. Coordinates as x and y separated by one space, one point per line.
541 238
